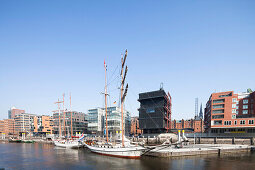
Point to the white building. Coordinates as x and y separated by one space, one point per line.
96 120
97 125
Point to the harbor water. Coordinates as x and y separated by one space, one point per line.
47 156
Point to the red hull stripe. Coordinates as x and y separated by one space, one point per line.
119 156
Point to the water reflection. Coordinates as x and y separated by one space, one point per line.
46 156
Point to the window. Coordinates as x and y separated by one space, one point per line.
218 122
245 111
245 101
237 107
242 122
245 106
233 106
150 110
218 111
234 100
227 122
235 122
226 95
218 106
217 116
251 122
237 112
219 101
233 116
233 110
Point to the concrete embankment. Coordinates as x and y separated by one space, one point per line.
200 149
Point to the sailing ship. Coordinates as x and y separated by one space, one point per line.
123 148
67 142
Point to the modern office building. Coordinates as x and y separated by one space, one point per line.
135 130
97 121
13 111
114 120
24 123
79 123
155 112
229 112
43 125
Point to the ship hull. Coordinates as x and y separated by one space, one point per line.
72 145
128 152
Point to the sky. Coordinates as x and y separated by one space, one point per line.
194 48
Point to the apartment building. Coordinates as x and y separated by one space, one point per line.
7 127
24 123
43 125
13 111
229 112
79 122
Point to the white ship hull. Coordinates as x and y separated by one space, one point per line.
126 152
68 144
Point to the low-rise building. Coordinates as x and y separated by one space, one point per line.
229 112
190 125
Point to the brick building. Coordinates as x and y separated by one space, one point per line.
229 112
135 130
13 111
190 125
7 127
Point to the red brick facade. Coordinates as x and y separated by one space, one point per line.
135 127
191 125
227 112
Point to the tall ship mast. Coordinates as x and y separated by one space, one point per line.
123 146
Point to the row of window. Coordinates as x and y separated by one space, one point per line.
229 122
242 122
234 100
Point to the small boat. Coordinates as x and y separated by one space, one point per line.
28 141
14 140
69 143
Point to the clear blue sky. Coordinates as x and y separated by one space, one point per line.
193 47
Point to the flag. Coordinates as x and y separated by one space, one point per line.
105 66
